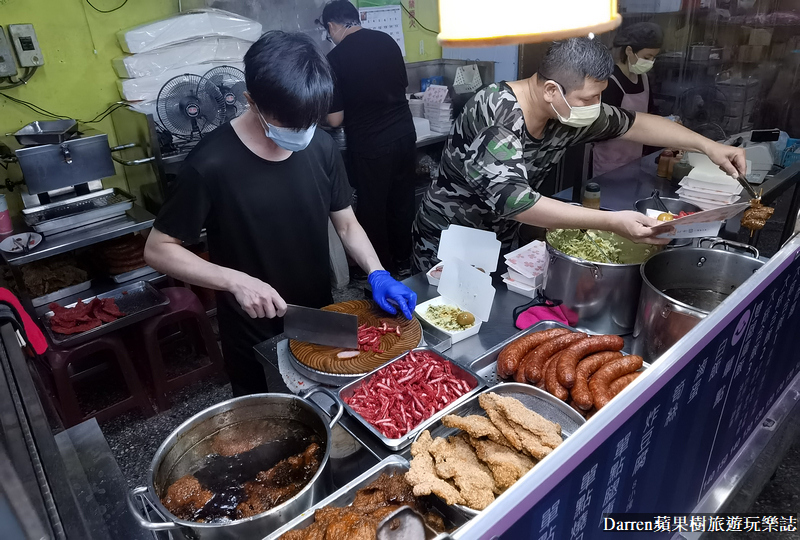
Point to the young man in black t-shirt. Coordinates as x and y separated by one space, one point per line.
370 98
264 186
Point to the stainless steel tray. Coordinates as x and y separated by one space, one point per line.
334 379
345 496
331 379
61 293
77 211
486 365
46 132
133 274
397 444
533 398
138 301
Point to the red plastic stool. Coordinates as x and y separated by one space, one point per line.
183 306
62 363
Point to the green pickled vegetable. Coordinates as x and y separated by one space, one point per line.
574 243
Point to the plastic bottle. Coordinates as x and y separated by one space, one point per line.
663 163
591 196
682 168
6 227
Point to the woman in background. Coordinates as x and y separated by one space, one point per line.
635 49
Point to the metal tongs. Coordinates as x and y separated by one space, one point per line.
590 237
742 179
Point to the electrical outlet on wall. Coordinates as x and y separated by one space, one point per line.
7 66
27 46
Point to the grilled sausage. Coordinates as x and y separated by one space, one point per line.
580 390
514 352
541 384
552 384
568 362
600 381
619 385
576 408
531 365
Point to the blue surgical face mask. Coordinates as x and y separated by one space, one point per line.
290 139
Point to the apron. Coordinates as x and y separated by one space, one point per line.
614 153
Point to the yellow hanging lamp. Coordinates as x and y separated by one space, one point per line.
476 23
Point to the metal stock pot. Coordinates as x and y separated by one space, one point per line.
603 296
188 447
681 286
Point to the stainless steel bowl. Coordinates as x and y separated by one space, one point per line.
188 447
674 206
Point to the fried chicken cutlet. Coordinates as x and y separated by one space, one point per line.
456 459
422 474
507 465
477 426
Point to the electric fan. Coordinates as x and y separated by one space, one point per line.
229 81
187 113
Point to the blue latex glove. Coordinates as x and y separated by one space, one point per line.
387 290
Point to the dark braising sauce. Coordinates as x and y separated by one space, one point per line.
254 466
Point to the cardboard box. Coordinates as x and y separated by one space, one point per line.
759 36
751 53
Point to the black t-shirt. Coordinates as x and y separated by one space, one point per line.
266 219
371 85
613 94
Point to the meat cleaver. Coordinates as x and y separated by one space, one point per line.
321 327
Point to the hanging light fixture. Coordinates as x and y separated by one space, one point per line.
475 23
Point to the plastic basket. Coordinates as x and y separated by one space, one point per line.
791 154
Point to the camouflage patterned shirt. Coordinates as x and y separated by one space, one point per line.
491 168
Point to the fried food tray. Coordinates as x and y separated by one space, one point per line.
138 301
535 399
397 444
345 496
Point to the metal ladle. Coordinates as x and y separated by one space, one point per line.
659 203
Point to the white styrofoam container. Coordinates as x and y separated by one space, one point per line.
147 88
455 337
180 55
519 288
434 281
185 26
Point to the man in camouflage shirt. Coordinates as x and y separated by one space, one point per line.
510 135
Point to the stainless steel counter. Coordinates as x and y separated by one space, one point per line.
136 219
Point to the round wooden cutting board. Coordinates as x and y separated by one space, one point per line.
324 359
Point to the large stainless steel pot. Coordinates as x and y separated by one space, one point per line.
603 296
188 447
680 287
674 206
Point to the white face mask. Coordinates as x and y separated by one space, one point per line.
290 139
578 116
641 66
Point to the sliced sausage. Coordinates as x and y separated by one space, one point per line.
514 352
619 385
603 377
531 365
573 354
580 390
552 384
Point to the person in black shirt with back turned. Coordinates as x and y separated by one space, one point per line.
370 99
264 186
